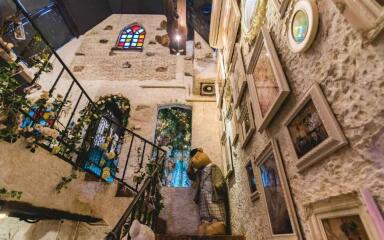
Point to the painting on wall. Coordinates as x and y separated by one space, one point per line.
367 16
174 132
276 194
253 17
351 216
345 227
246 119
252 181
231 22
313 129
303 24
266 80
237 75
307 130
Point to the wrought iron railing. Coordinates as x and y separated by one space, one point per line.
73 143
145 207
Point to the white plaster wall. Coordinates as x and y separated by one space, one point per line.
351 75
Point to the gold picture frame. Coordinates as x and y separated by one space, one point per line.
266 80
313 129
354 214
275 191
253 17
366 16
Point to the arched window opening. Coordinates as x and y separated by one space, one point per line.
131 38
174 132
103 141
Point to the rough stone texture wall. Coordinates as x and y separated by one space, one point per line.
99 64
37 174
350 73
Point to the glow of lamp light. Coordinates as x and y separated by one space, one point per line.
178 37
3 215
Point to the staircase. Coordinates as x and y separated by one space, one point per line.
72 142
222 237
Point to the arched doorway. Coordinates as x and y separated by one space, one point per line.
174 132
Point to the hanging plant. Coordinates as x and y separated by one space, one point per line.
63 184
4 193
10 103
93 113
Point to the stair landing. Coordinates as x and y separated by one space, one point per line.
220 237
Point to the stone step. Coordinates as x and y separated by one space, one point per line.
190 237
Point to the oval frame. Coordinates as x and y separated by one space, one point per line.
257 20
310 8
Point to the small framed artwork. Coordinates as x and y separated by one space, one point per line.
229 158
281 6
313 129
246 120
303 25
231 22
276 195
366 16
238 76
266 80
252 181
348 216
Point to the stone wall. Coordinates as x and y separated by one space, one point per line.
101 73
100 63
350 73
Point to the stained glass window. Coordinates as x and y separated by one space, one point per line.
131 38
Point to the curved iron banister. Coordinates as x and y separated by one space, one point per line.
147 147
134 210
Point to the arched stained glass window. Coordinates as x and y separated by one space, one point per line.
131 38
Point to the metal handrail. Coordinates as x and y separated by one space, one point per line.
115 234
75 81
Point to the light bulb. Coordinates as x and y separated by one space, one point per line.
178 37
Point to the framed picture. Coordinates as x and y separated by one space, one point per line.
266 80
276 194
253 17
346 216
366 16
252 181
303 24
238 77
313 129
281 6
230 20
229 158
246 119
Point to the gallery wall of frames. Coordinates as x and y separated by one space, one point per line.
299 82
